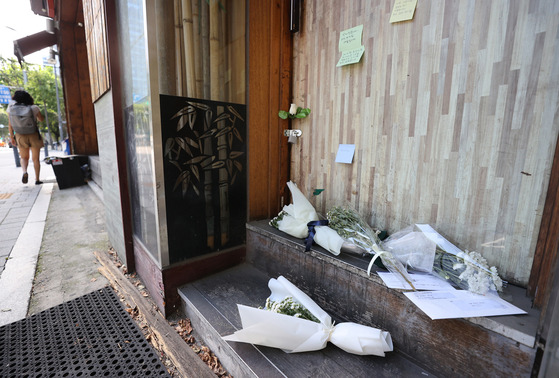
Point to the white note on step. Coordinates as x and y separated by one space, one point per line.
420 282
461 304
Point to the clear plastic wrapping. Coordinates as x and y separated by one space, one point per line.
412 248
354 230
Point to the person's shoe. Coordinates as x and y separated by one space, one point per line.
25 178
38 182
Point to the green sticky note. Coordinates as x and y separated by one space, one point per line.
351 56
350 46
350 39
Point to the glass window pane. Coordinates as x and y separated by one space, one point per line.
138 121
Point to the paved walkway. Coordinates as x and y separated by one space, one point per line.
23 211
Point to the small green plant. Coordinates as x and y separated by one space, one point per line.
294 112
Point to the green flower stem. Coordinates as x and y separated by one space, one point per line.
351 227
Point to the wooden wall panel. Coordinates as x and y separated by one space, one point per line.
77 93
96 40
453 115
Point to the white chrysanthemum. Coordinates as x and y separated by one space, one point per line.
497 281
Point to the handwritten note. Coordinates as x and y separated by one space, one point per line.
351 38
403 10
350 46
345 153
351 56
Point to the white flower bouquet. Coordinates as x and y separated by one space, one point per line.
346 231
466 270
295 217
293 322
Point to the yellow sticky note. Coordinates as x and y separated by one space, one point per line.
403 10
350 39
351 56
350 46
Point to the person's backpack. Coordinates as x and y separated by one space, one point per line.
22 119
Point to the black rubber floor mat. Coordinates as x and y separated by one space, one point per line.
89 336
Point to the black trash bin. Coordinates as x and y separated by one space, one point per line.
69 170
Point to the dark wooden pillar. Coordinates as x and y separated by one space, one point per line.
80 114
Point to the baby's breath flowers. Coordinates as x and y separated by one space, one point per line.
289 307
467 270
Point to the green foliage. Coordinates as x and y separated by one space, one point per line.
3 117
299 113
4 122
11 73
40 83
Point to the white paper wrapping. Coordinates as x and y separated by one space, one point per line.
299 213
328 239
293 334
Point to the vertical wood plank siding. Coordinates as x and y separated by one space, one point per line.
453 114
80 114
96 39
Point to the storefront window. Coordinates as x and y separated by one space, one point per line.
138 121
203 125
184 92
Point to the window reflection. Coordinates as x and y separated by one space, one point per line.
138 121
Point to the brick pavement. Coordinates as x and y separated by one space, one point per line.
16 199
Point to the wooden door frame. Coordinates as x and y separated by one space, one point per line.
544 264
269 90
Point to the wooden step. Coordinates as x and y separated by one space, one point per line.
496 346
211 305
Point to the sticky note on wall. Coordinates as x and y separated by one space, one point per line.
350 46
403 10
345 153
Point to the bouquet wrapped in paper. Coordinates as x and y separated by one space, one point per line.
293 322
346 231
295 217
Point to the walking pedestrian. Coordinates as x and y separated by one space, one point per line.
22 126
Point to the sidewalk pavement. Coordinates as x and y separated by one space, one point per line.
47 239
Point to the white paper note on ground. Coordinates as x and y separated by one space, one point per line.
461 304
420 282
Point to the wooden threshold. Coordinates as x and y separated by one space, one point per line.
171 343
